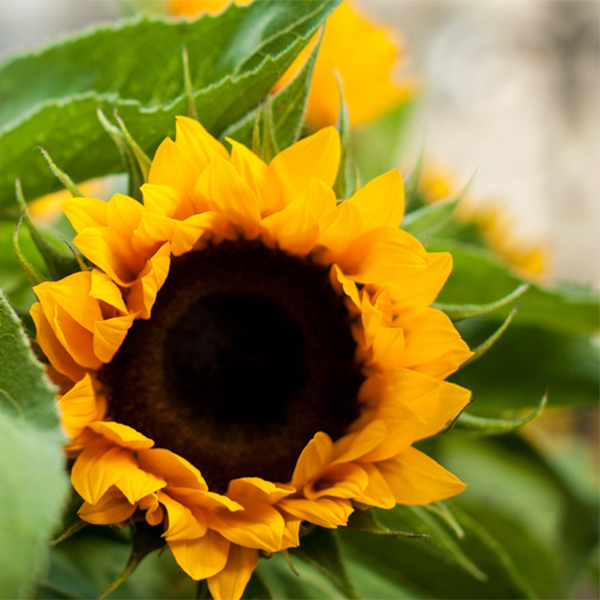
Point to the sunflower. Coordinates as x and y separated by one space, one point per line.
490 221
247 353
365 55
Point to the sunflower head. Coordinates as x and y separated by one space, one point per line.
247 353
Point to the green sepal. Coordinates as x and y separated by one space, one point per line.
345 183
146 539
473 425
460 312
142 159
367 521
188 85
135 176
322 550
480 350
33 275
411 183
58 258
65 180
268 141
428 219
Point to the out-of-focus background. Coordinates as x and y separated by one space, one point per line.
511 90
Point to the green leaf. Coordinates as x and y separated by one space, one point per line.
321 549
34 482
310 583
517 495
445 566
257 588
235 59
390 131
412 181
84 565
287 107
459 312
479 277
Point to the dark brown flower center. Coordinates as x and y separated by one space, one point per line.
247 354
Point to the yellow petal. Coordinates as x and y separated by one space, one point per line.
109 335
317 156
98 467
172 167
347 480
111 251
347 286
77 340
123 435
314 457
294 228
124 213
254 171
79 407
291 535
56 353
72 294
435 402
104 288
142 294
197 144
183 524
112 508
259 526
381 201
338 228
259 489
354 446
172 467
231 582
414 478
325 512
86 212
377 492
202 557
433 345
137 484
229 195
188 233
161 199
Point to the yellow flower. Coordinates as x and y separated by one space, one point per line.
191 8
491 221
364 54
47 209
247 353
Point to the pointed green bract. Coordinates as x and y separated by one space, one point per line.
474 425
459 312
58 257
